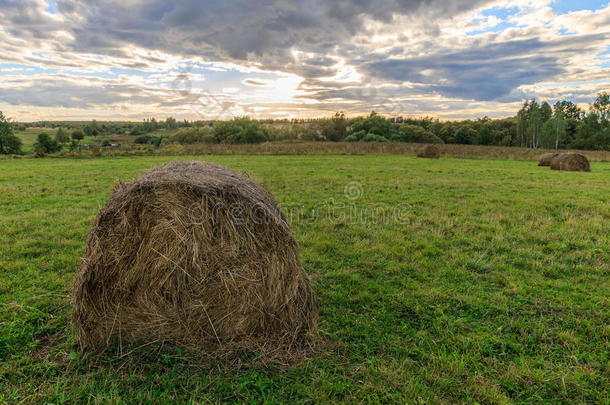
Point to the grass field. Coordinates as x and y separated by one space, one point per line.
449 281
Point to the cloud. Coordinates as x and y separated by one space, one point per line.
402 56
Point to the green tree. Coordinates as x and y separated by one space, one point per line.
335 128
553 132
568 109
171 123
9 142
546 112
485 136
373 124
601 106
239 130
45 144
534 124
416 134
463 136
61 136
77 135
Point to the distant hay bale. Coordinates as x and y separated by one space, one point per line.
430 152
546 159
574 162
196 254
555 161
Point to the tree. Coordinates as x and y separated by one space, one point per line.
560 126
535 123
45 144
545 112
552 132
463 136
373 124
239 130
61 136
335 128
9 142
485 136
601 106
77 135
171 123
568 109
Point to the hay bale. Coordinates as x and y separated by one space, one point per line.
555 161
430 152
574 162
546 159
196 254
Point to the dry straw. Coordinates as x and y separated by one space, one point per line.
546 159
195 254
574 162
430 152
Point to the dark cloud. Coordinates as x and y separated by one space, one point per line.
488 72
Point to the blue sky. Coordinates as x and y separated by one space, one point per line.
65 59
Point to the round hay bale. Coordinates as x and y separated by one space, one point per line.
430 152
546 159
555 161
574 162
193 253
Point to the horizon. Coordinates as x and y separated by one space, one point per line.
66 60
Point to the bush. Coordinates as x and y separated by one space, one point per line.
417 134
105 142
188 136
239 130
374 138
145 140
78 136
358 135
45 145
373 124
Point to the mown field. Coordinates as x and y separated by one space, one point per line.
449 281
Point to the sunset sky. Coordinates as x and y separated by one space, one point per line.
132 59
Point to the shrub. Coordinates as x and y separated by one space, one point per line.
45 144
374 138
77 135
188 136
105 142
373 124
239 130
417 134
145 139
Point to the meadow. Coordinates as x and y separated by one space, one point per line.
438 281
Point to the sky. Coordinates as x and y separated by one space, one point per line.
217 59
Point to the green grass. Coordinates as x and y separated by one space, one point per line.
493 286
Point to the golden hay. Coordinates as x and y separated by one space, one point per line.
430 152
546 159
195 254
574 162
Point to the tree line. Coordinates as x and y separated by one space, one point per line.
536 125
